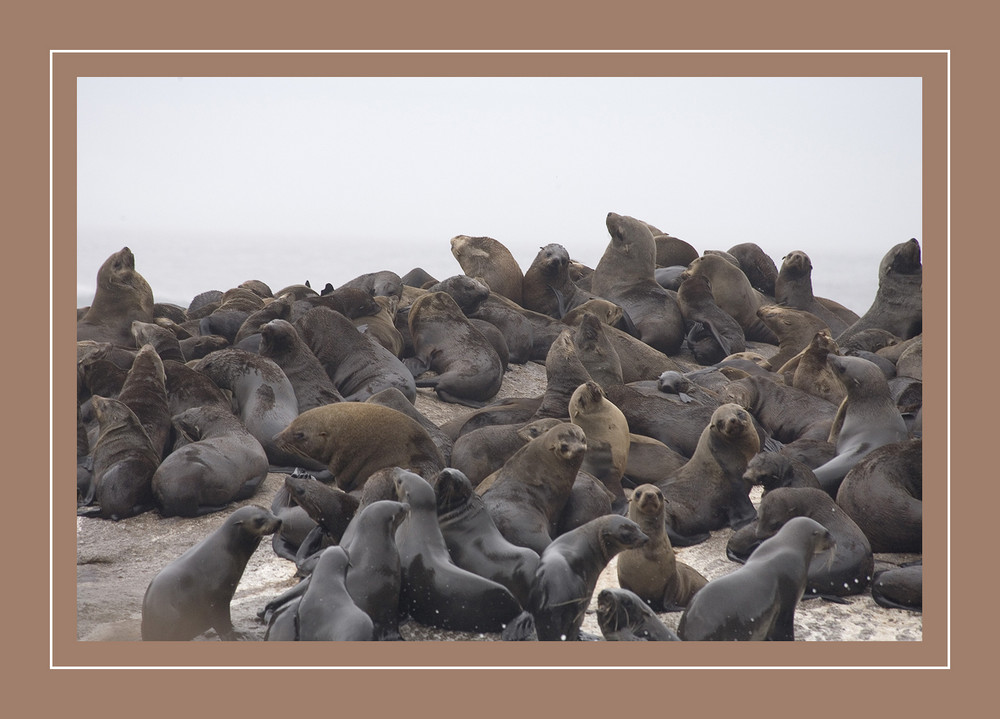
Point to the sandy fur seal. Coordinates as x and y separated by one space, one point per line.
192 594
222 463
487 259
468 369
607 437
734 295
757 601
122 296
354 439
652 571
624 275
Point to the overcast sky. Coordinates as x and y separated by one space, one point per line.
213 181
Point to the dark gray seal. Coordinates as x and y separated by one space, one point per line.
898 304
624 617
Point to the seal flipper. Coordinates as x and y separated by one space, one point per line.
520 629
560 301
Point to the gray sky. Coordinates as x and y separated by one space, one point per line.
213 181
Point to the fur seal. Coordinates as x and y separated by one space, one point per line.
811 373
223 463
383 283
713 334
483 451
280 343
900 588
417 277
474 543
122 297
757 265
187 388
624 617
793 288
264 398
652 571
381 326
329 507
468 369
771 470
650 461
568 571
787 413
393 398
531 490
866 420
607 438
597 352
165 342
794 329
883 494
734 295
145 393
673 251
757 601
192 593
624 275
358 366
354 439
898 304
547 287
435 590
488 260
326 611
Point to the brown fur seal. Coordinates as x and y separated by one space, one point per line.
652 571
357 366
883 494
547 287
757 601
734 295
332 510
145 393
124 462
192 593
222 463
866 420
713 334
793 328
528 333
708 492
122 297
383 283
787 413
468 368
624 617
650 461
393 398
354 439
597 353
532 488
481 452
262 394
277 310
639 361
326 611
160 338
793 288
812 374
187 388
898 305
771 470
381 325
624 275
435 590
607 437
564 372
605 310
673 251
568 571
281 343
757 265
487 259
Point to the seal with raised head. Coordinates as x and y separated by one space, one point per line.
898 304
473 540
145 393
192 593
652 571
624 617
597 352
713 333
162 340
568 571
547 287
122 296
483 451
625 276
354 439
281 343
222 463
607 434
435 590
329 507
734 295
867 419
757 601
489 260
811 373
326 611
468 369
793 288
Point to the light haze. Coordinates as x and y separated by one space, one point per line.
214 181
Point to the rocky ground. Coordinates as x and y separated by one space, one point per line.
117 560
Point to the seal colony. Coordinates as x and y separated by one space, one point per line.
273 384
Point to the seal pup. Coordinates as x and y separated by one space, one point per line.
489 261
474 542
867 419
713 334
898 304
883 494
526 497
222 463
435 590
124 462
757 601
607 438
652 571
625 276
358 366
811 373
281 343
568 571
326 611
192 593
793 288
734 295
263 396
354 439
624 617
122 297
468 369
